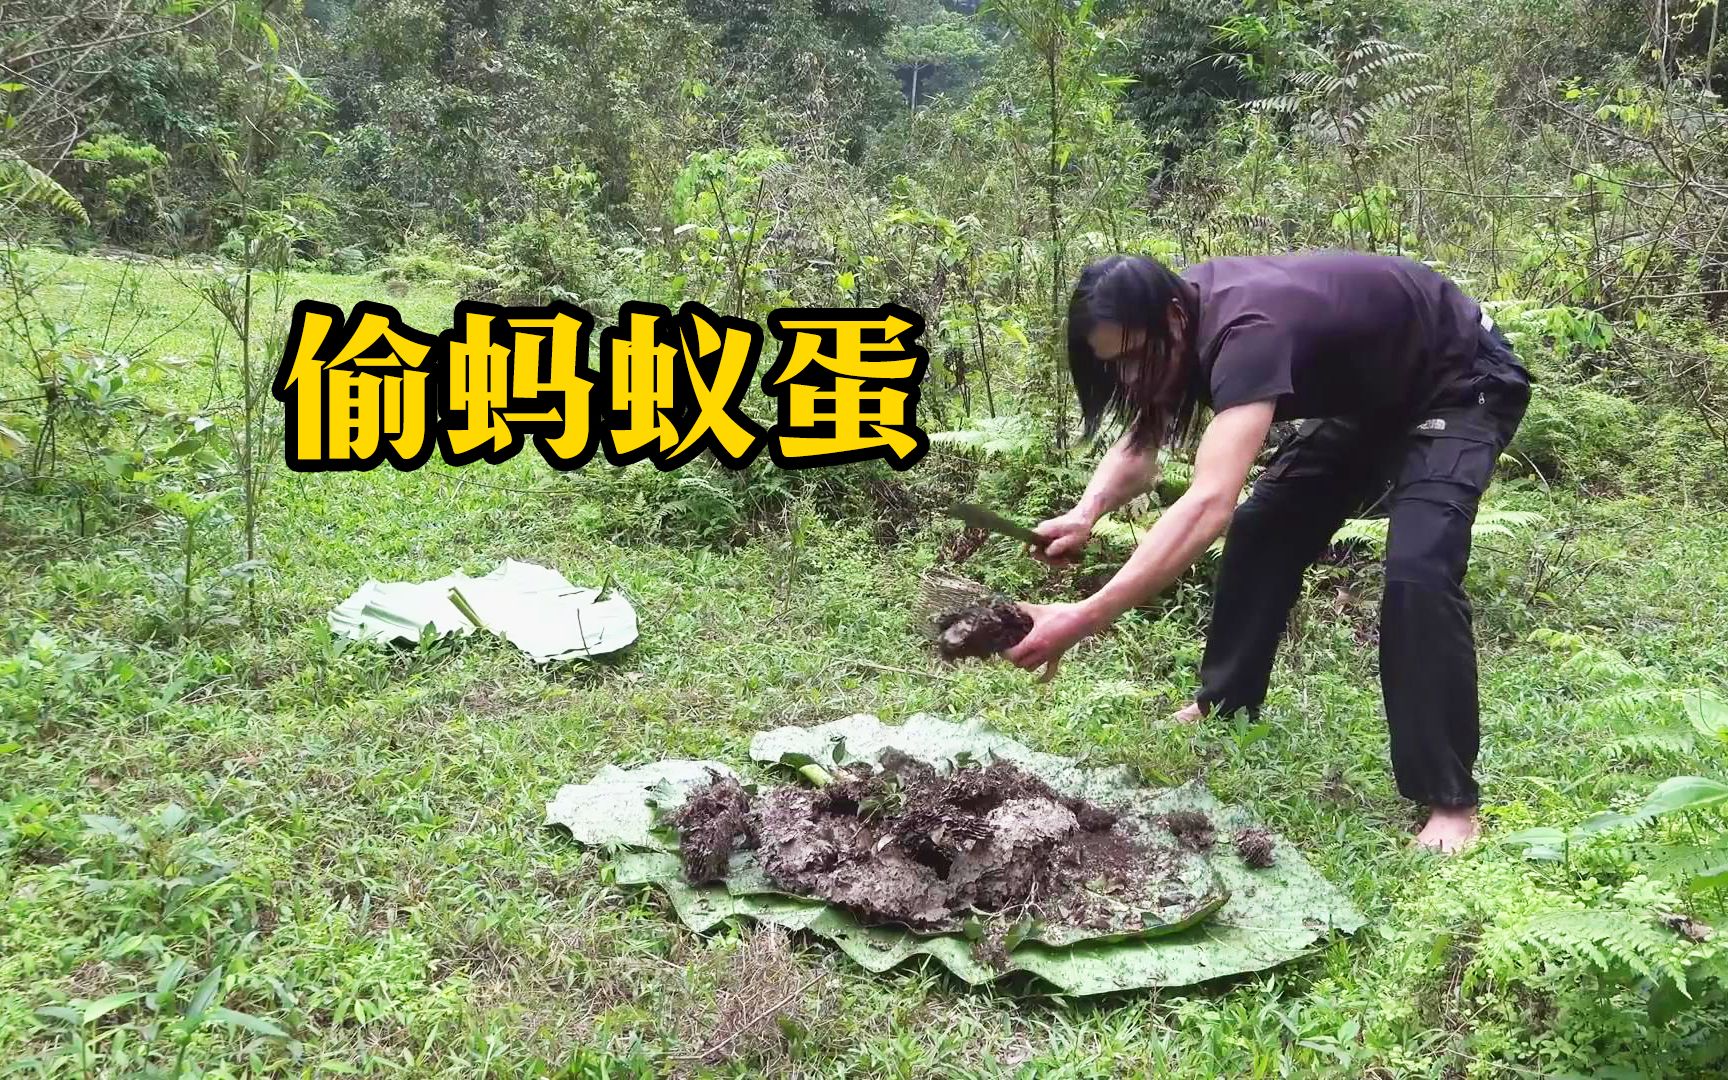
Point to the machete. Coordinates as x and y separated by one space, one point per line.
991 521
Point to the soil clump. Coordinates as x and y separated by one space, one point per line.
710 824
906 844
1192 829
981 630
1254 846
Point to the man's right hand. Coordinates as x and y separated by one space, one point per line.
1068 535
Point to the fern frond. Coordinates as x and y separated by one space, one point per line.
1504 522
1589 660
1376 47
997 436
1253 223
1705 711
1369 531
1638 698
1278 103
1695 866
1400 99
1385 63
1404 144
1610 942
1319 82
1671 741
1374 531
24 185
1118 531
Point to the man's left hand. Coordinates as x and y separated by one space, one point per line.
1055 629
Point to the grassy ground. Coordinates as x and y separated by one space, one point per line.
364 856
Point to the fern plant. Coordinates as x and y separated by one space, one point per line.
1660 717
1372 532
1614 940
1640 936
1706 726
1338 94
1332 96
1007 436
25 187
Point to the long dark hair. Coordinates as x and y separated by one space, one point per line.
1135 293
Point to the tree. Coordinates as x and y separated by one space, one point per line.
946 42
1061 40
54 57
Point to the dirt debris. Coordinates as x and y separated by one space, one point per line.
1192 829
981 630
1255 847
906 844
1686 926
710 824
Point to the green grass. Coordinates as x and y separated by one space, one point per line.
391 902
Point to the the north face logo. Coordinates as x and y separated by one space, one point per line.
1436 424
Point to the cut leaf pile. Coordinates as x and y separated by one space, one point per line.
955 842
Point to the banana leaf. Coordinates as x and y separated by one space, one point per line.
533 607
1255 919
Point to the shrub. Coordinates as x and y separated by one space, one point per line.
1579 435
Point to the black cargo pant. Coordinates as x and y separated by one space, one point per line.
1427 473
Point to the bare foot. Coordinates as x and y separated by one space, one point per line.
1449 829
1190 714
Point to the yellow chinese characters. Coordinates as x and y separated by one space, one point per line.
515 371
676 386
356 391
367 388
847 382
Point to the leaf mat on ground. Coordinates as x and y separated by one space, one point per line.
1272 915
533 607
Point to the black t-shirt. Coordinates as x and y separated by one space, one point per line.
1330 333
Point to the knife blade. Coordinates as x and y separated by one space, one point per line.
990 520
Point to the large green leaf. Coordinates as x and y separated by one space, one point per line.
1707 711
616 808
1682 793
388 611
1200 893
1273 916
1270 917
533 607
541 613
935 742
702 908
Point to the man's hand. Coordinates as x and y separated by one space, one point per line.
1055 630
1067 534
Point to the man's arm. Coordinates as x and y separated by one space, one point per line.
1174 542
1122 473
1232 440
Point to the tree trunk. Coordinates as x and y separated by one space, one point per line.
1051 56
